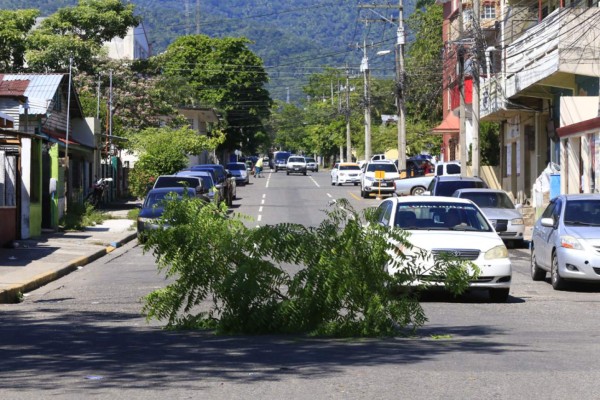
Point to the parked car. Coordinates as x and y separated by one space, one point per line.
453 226
565 241
207 181
498 207
346 173
311 164
418 185
296 165
239 172
153 207
224 181
369 183
194 182
447 185
416 167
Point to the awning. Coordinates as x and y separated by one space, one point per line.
450 124
580 128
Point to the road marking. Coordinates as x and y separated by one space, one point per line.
315 182
259 218
262 201
264 195
355 196
260 209
329 195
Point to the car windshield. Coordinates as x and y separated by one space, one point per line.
447 188
582 213
489 200
387 167
154 199
236 167
281 156
179 181
440 216
349 168
296 159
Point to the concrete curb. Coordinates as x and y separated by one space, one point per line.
14 293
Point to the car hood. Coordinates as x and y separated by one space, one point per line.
429 240
583 232
501 213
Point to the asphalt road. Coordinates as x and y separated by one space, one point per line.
83 336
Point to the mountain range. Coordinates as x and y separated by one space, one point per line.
295 38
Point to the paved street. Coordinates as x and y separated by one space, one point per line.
83 335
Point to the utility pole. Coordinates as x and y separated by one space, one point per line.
364 68
475 74
197 17
400 90
399 53
347 112
68 170
462 140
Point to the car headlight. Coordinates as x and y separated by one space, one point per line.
517 221
494 253
569 242
369 178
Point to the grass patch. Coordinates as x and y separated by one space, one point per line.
78 216
133 214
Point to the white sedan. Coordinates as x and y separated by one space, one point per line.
345 173
450 226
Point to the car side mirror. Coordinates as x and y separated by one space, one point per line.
547 222
201 189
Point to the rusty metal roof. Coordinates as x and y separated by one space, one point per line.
40 90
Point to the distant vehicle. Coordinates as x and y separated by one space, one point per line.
279 160
296 165
311 164
194 182
447 185
369 183
497 207
153 207
416 186
565 241
346 173
453 226
416 167
239 172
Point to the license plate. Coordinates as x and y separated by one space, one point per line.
382 184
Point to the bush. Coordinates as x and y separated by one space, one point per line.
341 289
79 215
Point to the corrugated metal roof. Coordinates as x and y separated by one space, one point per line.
40 91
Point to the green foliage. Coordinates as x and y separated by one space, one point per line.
78 32
78 216
221 73
489 143
14 26
228 277
163 151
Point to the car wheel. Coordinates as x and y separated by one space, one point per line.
558 283
287 172
304 173
499 295
317 170
332 182
338 182
363 194
355 184
417 191
537 274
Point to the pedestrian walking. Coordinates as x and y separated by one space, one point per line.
258 168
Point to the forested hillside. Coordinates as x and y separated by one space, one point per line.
295 38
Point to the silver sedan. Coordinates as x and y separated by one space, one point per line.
566 239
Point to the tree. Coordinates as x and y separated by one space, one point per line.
14 27
225 74
78 32
228 277
163 151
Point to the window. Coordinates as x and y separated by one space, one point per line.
57 100
489 12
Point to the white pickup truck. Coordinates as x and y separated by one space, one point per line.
416 186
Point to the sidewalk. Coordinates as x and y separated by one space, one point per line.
32 263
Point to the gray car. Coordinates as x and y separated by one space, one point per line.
498 207
566 239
